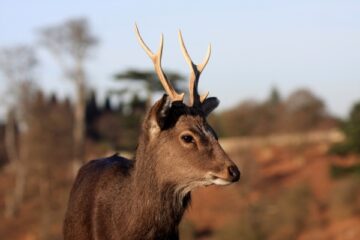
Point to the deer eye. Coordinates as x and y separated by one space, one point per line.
187 138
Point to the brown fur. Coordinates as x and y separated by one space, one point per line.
145 198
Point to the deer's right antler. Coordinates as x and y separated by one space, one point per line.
156 58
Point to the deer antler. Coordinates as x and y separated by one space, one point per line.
196 70
156 58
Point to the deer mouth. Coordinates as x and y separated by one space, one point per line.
216 180
221 182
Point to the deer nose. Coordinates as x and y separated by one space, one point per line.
234 173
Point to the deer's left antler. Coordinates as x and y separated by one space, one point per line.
196 70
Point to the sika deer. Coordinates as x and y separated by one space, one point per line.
145 198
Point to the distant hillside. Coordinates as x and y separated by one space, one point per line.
300 111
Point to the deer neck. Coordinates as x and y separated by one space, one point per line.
159 201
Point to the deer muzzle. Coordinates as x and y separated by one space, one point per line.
229 175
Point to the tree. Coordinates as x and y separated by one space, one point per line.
48 139
240 120
17 64
274 97
71 43
151 82
351 129
91 114
304 111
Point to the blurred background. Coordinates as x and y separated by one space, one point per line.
75 85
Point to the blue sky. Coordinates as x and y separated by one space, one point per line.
256 44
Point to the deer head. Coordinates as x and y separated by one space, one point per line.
177 136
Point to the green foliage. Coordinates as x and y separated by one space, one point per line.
150 79
341 149
274 98
351 129
116 127
337 171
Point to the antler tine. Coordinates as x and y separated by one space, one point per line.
156 58
196 70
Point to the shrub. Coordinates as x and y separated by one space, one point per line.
351 129
345 198
281 217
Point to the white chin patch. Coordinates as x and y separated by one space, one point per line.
219 181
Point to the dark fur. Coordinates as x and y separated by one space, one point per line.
116 198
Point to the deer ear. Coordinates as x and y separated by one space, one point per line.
158 114
163 110
209 105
